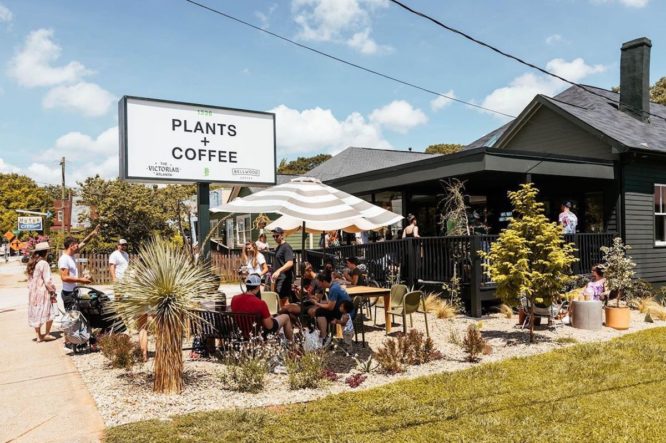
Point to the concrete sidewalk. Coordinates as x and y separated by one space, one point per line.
43 397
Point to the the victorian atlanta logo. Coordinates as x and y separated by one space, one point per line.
245 171
163 169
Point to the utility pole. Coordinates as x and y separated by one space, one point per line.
62 198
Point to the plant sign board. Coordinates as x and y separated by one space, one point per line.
166 141
30 224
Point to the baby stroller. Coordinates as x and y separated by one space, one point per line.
86 311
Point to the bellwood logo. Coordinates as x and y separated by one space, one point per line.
245 171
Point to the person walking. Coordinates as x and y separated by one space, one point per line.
119 261
283 275
568 219
41 293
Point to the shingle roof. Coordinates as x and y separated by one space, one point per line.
355 160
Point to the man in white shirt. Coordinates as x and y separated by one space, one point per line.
69 273
118 261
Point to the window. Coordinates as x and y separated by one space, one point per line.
659 215
243 230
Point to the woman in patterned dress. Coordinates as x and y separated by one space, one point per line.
41 293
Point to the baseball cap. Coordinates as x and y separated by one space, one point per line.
253 280
567 204
278 231
122 241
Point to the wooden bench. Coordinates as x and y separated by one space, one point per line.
230 328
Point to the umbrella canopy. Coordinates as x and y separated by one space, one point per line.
321 207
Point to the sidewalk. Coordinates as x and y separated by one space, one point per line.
43 396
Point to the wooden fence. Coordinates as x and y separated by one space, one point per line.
98 267
226 264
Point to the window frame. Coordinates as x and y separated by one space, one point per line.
662 206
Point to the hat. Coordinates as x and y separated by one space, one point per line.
253 280
122 241
567 204
42 246
278 231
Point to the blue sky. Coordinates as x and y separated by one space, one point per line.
65 64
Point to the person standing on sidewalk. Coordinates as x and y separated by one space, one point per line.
69 273
283 275
119 261
41 293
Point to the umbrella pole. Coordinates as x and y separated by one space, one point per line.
302 261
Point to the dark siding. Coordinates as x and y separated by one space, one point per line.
548 132
640 177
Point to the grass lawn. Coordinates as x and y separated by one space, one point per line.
613 391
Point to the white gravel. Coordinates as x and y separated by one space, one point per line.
126 396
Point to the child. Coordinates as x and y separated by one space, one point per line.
346 321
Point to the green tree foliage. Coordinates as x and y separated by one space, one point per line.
618 269
530 258
19 192
444 148
131 211
301 165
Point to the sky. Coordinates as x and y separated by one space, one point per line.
65 64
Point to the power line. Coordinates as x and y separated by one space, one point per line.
338 59
515 58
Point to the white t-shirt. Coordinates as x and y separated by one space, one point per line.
67 262
121 260
260 262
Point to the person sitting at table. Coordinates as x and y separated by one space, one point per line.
328 310
353 274
248 303
596 288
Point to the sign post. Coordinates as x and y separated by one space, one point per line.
173 142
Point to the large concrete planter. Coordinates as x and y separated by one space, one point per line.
618 318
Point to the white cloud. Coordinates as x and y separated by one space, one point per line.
83 147
398 116
6 15
629 3
442 102
317 130
8 168
88 98
513 98
554 39
341 21
33 65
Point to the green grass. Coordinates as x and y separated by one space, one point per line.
615 391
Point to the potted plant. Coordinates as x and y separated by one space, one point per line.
619 273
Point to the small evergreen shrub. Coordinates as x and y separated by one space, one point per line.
409 349
473 343
306 370
248 374
119 349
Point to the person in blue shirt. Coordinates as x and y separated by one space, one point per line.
329 309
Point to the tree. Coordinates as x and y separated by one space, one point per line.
19 192
302 165
618 269
444 148
531 258
657 91
453 219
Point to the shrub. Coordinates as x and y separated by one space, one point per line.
119 349
306 370
506 310
246 375
440 308
330 375
454 337
354 381
473 343
410 349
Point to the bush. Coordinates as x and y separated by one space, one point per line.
306 370
246 375
410 349
473 343
120 350
354 381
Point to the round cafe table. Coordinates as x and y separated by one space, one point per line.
587 314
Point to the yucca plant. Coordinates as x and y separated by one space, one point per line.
166 283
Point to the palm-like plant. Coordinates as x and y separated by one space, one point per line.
166 283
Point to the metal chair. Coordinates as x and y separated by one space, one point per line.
272 299
549 312
410 304
397 294
358 319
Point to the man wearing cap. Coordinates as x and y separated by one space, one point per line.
119 261
568 219
283 275
249 303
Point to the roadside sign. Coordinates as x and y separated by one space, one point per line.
30 224
8 235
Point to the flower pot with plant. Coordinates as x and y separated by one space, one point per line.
619 274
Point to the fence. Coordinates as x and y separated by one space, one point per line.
98 267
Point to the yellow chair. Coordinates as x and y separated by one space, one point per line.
410 304
397 294
272 300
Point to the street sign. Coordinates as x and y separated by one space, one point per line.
30 224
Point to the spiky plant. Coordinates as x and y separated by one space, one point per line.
166 283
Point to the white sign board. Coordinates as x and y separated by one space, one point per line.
30 224
163 141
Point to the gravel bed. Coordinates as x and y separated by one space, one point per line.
126 396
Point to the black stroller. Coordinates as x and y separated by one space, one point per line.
88 309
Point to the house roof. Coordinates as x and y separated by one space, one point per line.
354 160
597 115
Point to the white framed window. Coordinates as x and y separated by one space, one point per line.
243 230
659 215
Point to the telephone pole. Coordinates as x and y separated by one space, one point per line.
62 198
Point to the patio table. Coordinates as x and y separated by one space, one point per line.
372 292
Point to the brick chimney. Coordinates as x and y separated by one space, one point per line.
635 78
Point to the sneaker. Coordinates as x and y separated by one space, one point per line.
566 320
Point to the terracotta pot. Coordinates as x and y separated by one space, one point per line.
617 318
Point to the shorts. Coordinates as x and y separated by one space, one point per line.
274 329
68 299
283 287
329 315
